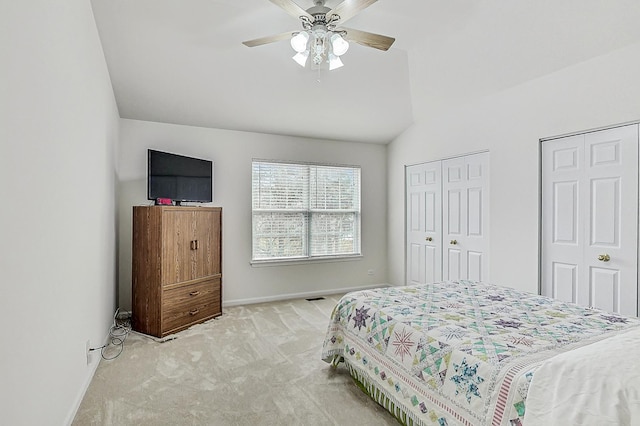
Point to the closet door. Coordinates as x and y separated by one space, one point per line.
465 192
590 219
424 223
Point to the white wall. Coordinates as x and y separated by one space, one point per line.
596 93
232 153
58 133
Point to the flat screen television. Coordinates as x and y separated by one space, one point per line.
179 178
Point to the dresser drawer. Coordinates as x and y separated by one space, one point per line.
185 305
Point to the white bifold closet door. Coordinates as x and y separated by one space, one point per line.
424 222
465 196
447 219
590 219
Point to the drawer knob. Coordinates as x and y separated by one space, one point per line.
194 293
194 312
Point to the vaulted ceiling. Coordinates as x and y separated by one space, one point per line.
183 62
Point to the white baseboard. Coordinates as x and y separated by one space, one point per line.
303 295
83 390
96 357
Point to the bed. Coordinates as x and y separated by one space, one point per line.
472 353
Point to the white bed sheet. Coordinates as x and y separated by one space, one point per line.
597 385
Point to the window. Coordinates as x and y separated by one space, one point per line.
304 211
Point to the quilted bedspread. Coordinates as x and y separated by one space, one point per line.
457 353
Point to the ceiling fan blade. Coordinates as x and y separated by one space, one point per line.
291 8
349 8
268 39
376 41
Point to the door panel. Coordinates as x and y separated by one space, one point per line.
416 266
177 254
605 289
454 225
474 265
605 153
424 223
466 217
474 212
565 159
565 212
605 204
430 212
206 256
454 169
476 242
564 282
590 219
454 270
432 270
454 212
417 213
613 219
562 229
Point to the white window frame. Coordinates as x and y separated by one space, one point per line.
309 211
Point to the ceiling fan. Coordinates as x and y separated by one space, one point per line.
321 37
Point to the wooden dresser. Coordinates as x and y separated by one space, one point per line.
177 267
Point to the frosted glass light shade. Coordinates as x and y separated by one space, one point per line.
301 58
334 62
299 41
339 45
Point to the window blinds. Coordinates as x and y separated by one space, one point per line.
305 210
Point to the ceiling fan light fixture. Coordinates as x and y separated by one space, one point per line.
339 44
301 58
322 39
299 41
334 62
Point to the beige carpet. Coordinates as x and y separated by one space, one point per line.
255 365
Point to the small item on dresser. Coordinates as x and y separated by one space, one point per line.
163 201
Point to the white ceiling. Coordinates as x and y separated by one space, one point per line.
183 61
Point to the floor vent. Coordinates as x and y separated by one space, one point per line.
311 299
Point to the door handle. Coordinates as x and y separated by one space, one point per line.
453 242
604 258
429 239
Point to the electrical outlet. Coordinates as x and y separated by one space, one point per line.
88 351
370 272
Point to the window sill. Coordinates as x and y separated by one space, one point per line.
305 260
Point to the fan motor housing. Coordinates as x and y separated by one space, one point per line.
319 13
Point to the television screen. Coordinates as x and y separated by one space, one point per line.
179 178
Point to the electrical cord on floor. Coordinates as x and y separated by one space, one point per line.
117 335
